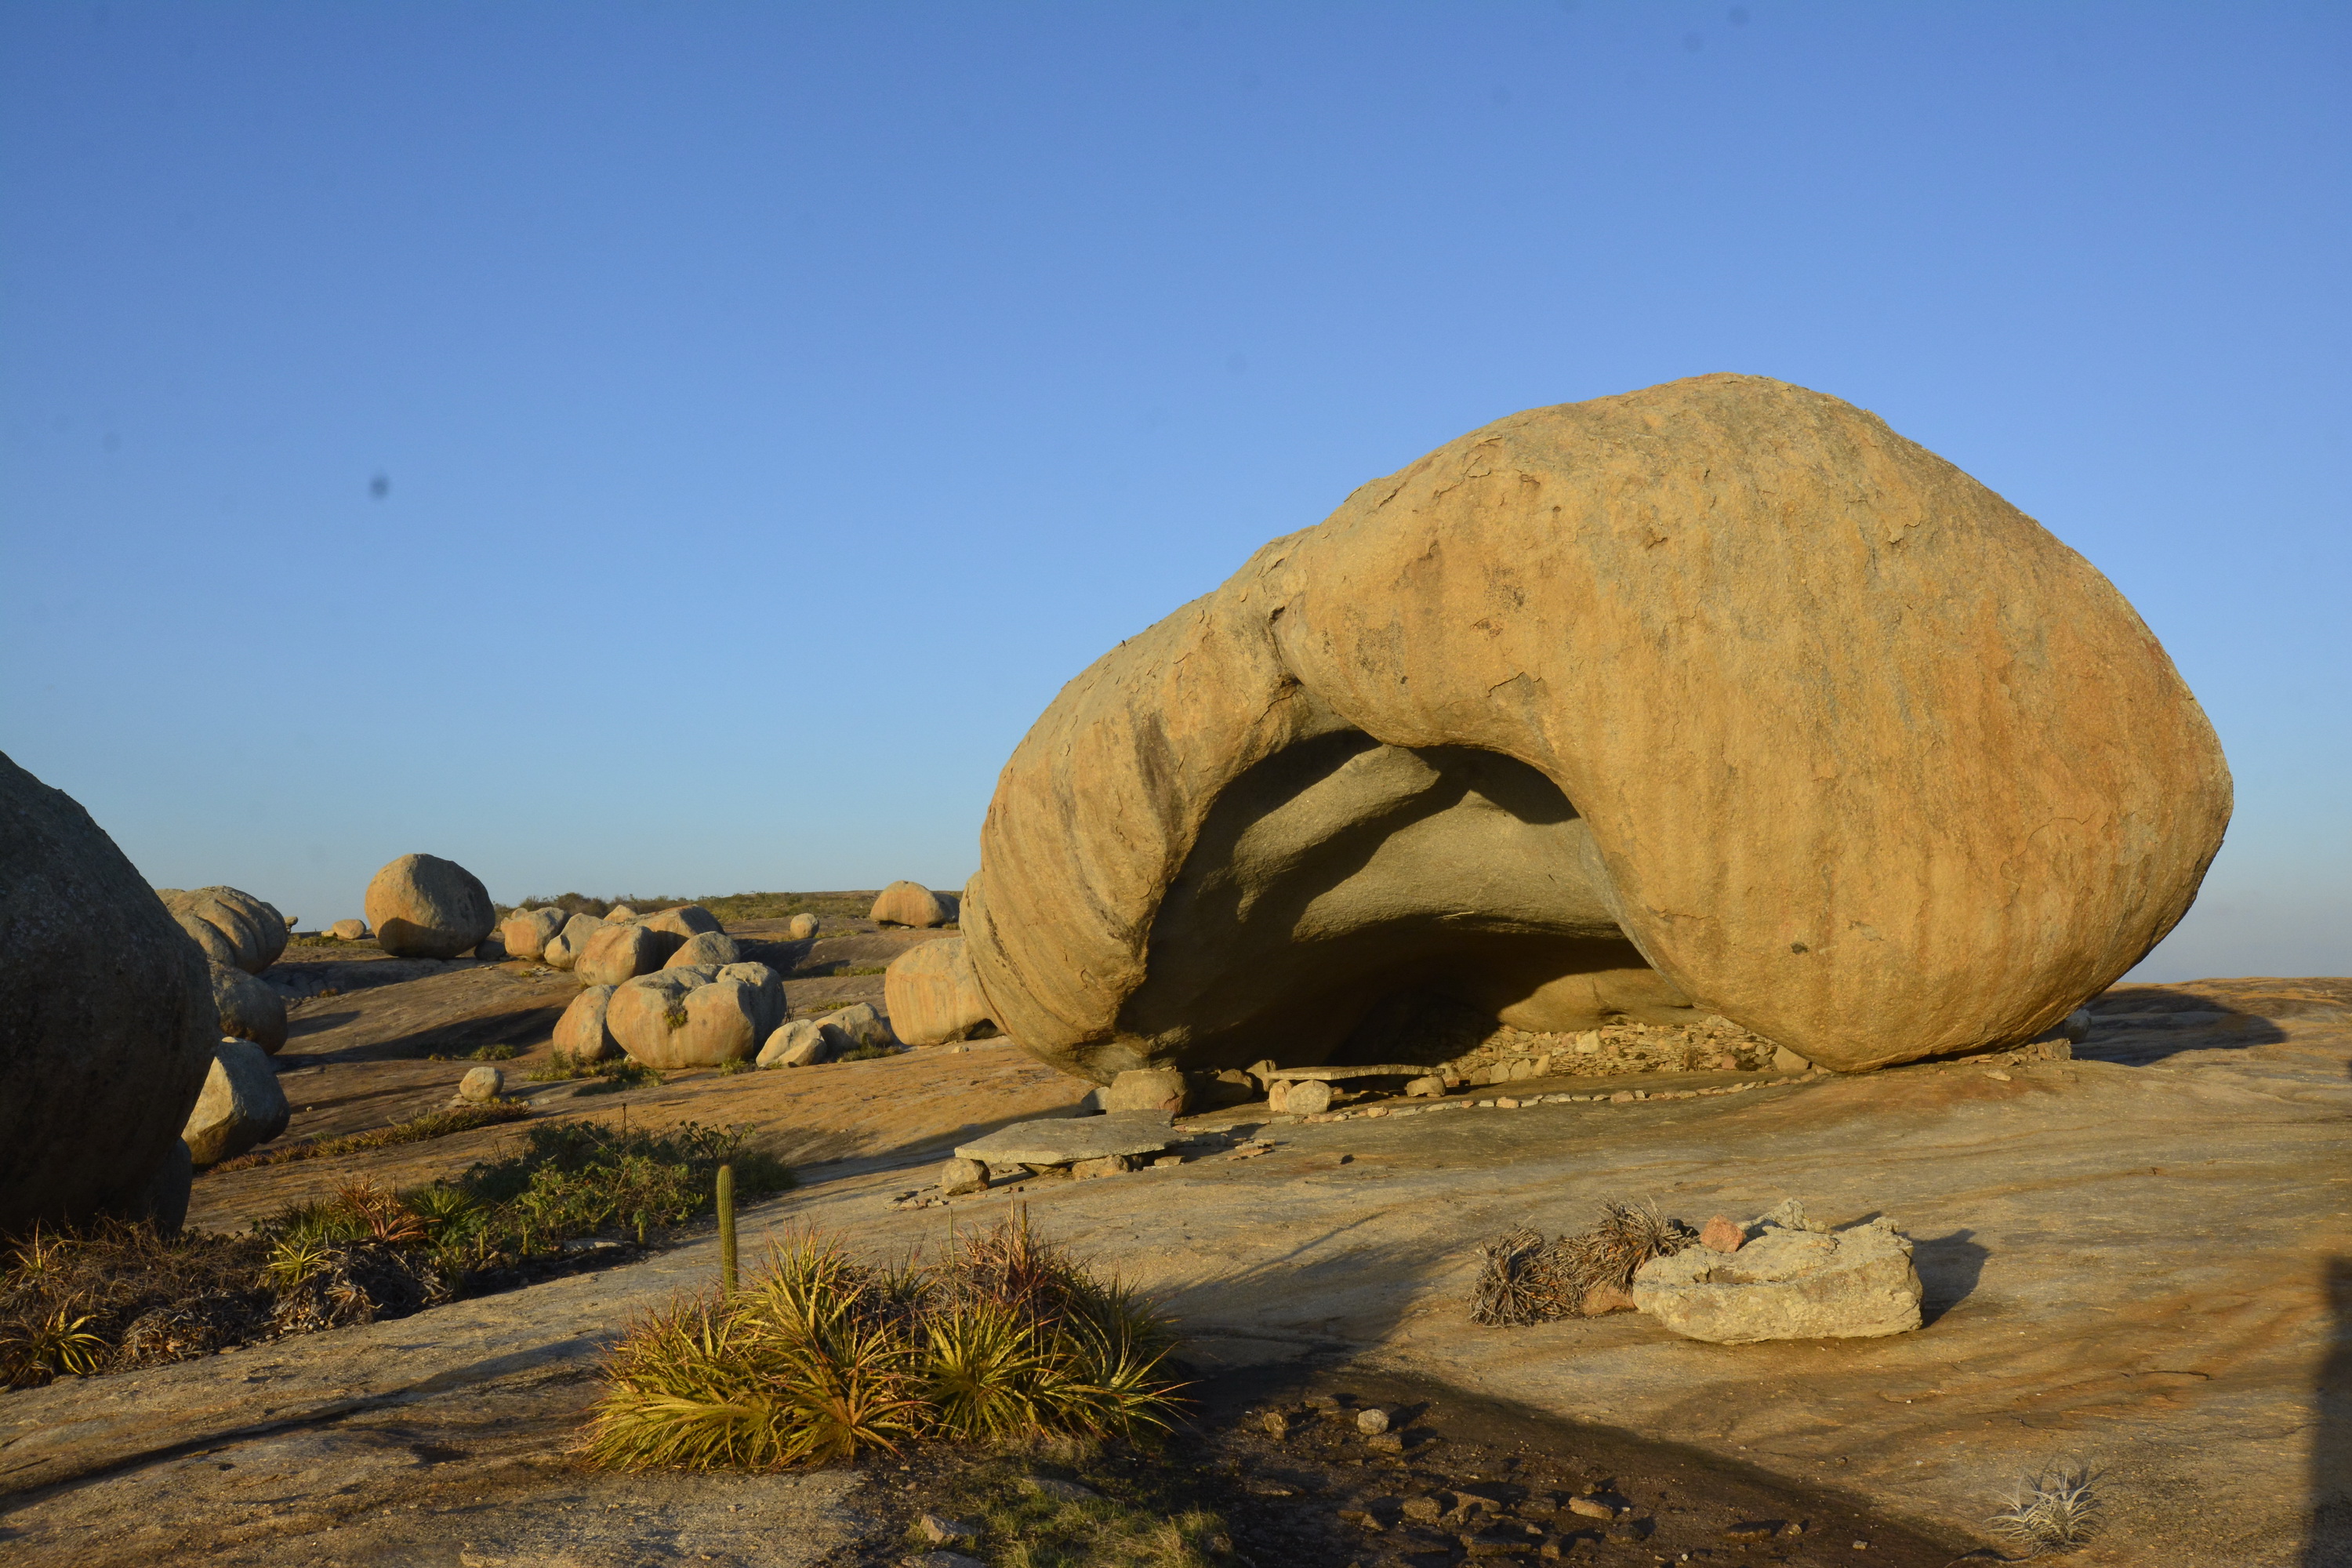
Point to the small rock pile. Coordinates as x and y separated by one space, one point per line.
1707 1044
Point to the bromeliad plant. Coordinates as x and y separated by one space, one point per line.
823 1357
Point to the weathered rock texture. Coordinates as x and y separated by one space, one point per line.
710 948
1719 697
348 930
241 1106
933 996
910 904
248 1008
232 927
425 907
1787 1284
106 1018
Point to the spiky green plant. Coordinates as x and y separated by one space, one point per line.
60 1343
821 1358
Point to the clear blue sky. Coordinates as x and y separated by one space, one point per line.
776 404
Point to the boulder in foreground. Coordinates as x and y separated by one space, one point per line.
106 1021
1788 1283
241 1107
686 1018
425 907
1716 697
800 1044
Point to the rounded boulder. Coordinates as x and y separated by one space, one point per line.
563 948
232 927
615 954
1716 697
527 933
241 1107
581 1033
667 1020
910 904
933 996
107 1022
713 947
250 1008
425 907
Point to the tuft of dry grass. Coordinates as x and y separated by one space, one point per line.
1523 1278
2055 1510
821 1358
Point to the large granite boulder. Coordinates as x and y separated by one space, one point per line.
250 1008
619 952
707 949
106 1021
232 927
910 904
688 1018
425 907
933 996
1719 697
581 1033
241 1107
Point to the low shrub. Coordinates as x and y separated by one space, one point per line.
416 1130
620 1073
1523 1278
115 1296
494 1053
821 1358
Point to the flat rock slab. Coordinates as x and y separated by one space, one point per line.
1066 1142
1342 1074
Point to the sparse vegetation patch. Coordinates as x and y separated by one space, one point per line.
823 1357
116 1296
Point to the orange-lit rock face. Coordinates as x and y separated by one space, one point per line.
1718 696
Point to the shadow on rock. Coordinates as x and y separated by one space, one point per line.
1948 1269
2327 1541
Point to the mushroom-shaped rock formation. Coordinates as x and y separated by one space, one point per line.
1719 695
232 927
106 1021
425 907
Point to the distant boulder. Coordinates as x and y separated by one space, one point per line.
684 921
860 1027
425 907
563 948
248 1008
711 947
348 931
933 996
802 1043
527 933
615 954
666 1019
801 926
241 1107
910 904
581 1033
233 928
